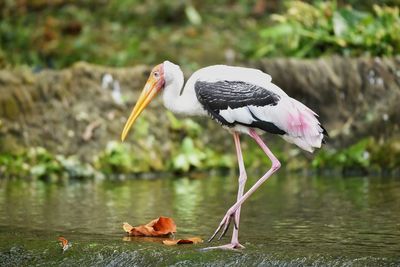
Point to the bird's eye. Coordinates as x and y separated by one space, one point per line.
156 74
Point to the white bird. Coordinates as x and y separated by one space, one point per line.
242 100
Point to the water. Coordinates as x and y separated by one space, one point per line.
290 221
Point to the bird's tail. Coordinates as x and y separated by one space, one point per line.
303 127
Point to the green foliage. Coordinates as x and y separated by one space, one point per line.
366 155
188 126
386 155
115 159
312 30
355 156
194 33
216 159
39 163
188 156
191 157
115 33
13 166
184 153
121 158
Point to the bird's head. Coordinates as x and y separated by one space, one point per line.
155 83
160 75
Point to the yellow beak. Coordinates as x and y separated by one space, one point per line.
150 90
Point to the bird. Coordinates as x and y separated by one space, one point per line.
243 101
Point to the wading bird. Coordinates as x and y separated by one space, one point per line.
242 100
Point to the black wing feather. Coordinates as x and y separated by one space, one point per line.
234 94
221 95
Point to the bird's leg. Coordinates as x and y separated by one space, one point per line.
275 166
242 181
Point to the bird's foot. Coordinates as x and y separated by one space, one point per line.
235 246
224 225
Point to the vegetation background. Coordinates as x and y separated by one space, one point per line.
37 36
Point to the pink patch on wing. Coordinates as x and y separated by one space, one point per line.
297 124
303 123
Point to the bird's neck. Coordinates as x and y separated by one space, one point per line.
185 103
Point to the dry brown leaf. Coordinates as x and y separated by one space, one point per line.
162 226
64 243
192 240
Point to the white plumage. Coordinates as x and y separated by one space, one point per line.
299 123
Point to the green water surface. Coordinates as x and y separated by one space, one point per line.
290 221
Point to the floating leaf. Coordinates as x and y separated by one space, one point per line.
192 240
162 226
64 243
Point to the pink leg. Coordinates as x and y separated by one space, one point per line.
275 166
242 181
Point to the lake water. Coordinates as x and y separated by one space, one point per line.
290 221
